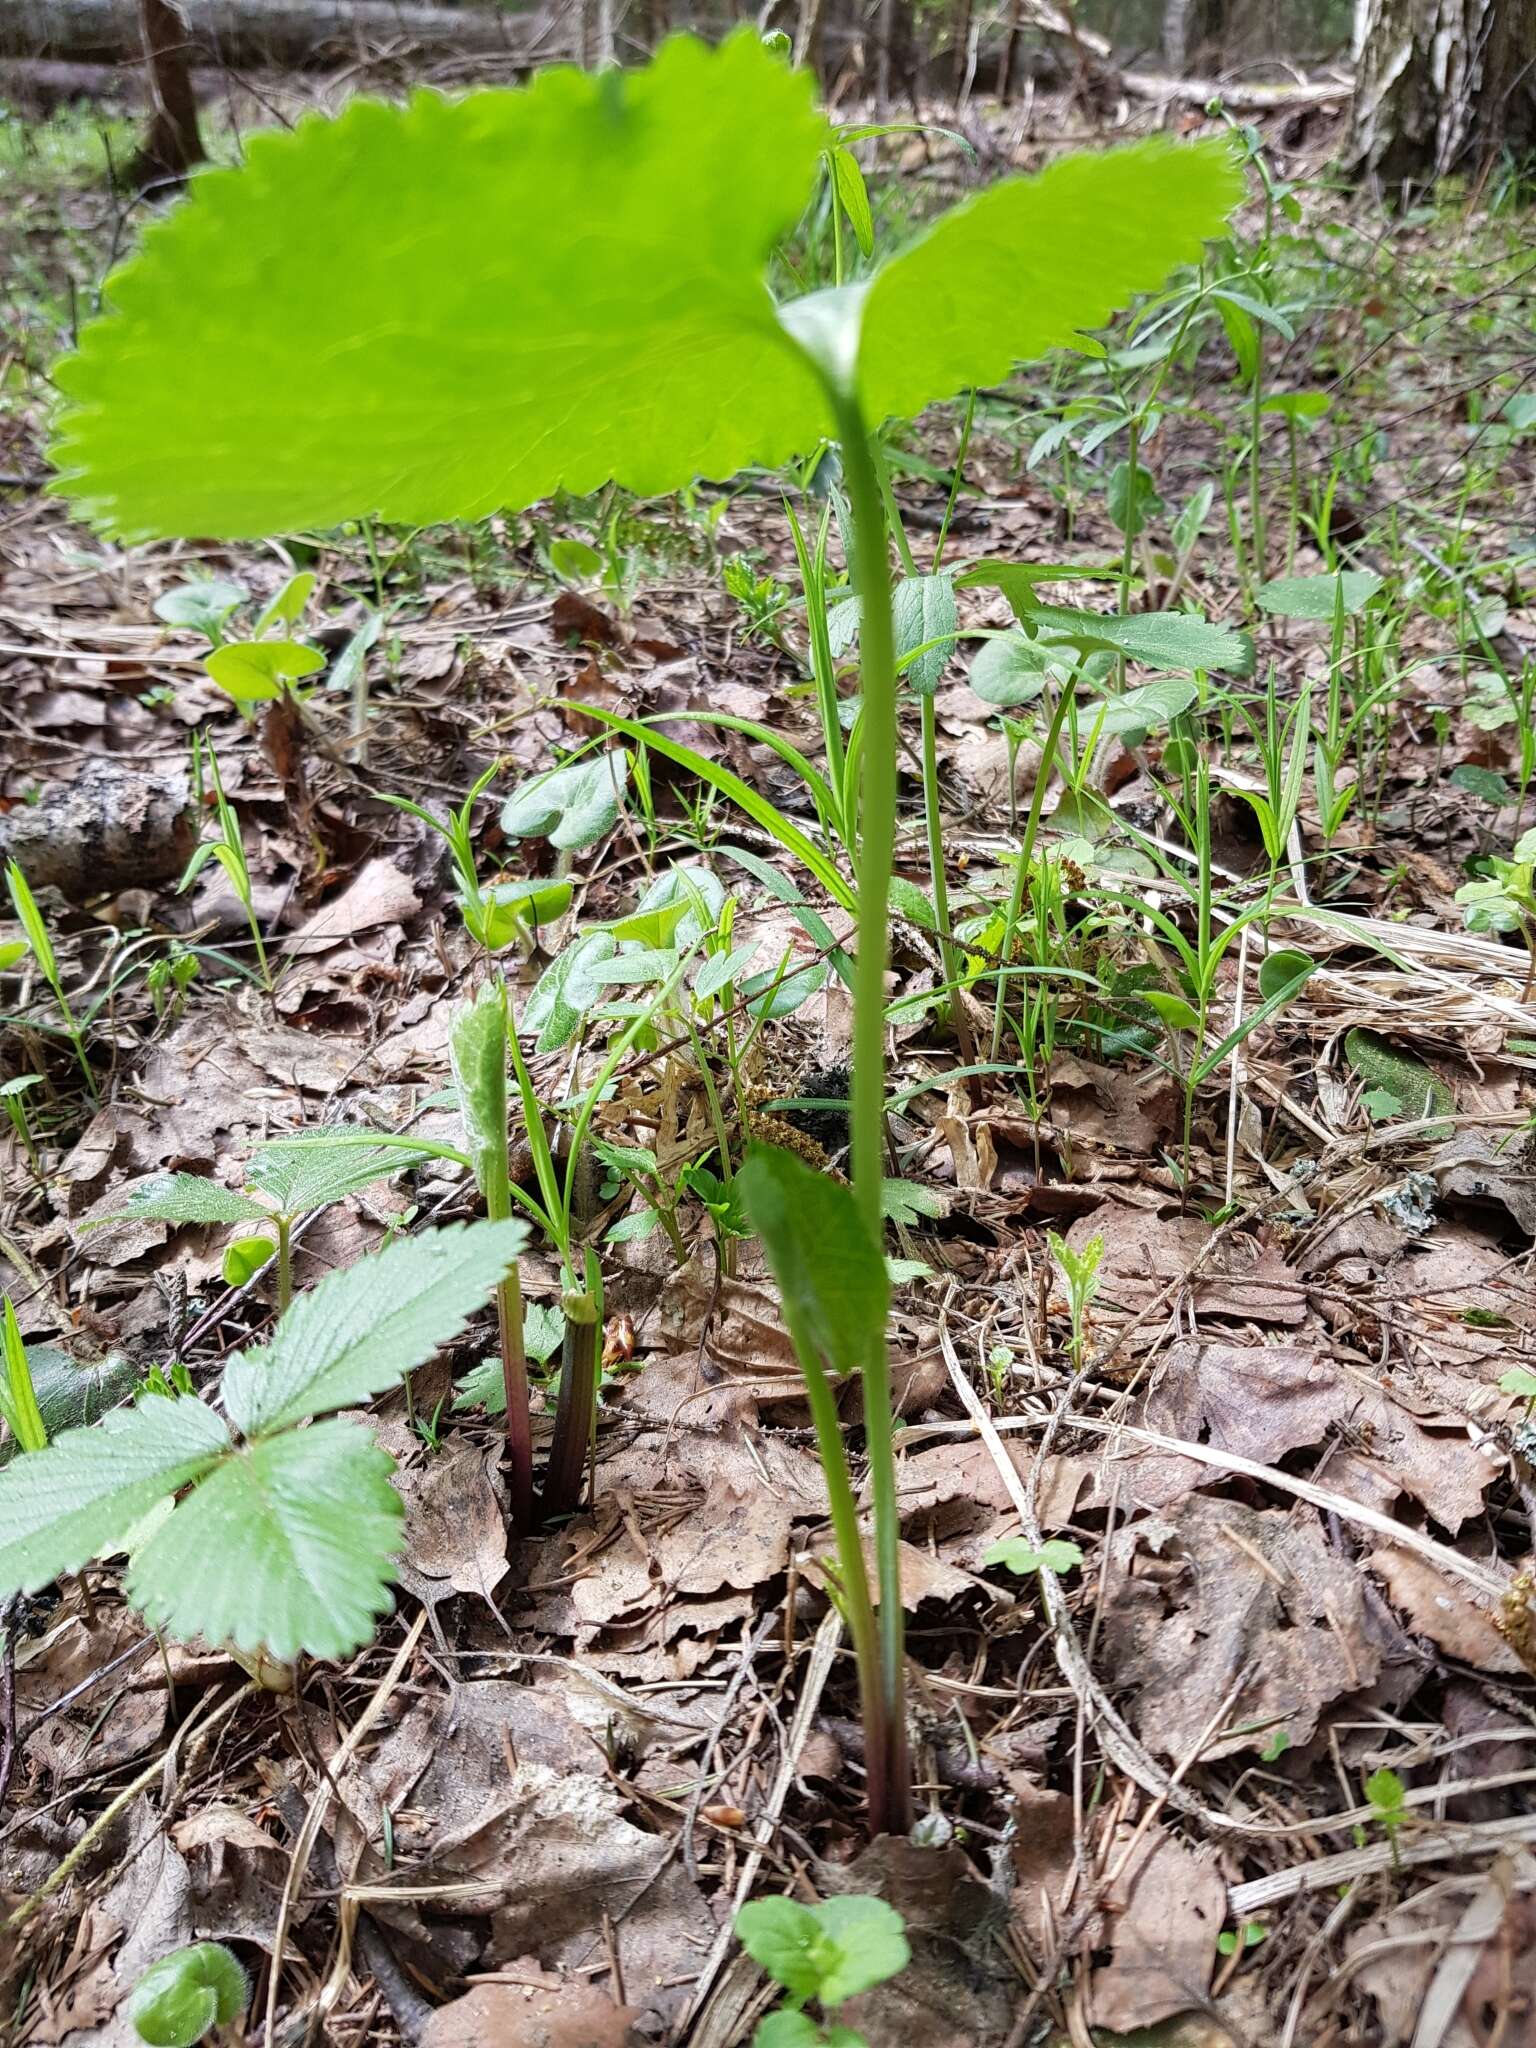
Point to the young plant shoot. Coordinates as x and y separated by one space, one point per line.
496 352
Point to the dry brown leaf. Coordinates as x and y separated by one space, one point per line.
378 894
1163 1943
455 1526
1435 1606
1230 1622
530 2016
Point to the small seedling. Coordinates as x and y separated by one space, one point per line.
495 914
1387 1795
227 847
40 944
822 1955
1080 1270
1014 1554
1504 900
12 1093
182 1998
1248 1935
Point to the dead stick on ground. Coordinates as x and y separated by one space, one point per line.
298 1862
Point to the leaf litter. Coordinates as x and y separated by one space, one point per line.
594 1747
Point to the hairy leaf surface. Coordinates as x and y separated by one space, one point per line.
362 1329
433 311
60 1506
190 1198
286 1547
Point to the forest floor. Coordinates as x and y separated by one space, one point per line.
1255 1761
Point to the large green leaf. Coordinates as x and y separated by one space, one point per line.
432 311
1027 265
831 1272
59 1507
286 1547
364 1328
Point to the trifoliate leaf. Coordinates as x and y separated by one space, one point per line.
59 1507
189 1198
286 1547
1014 1554
300 1174
364 1328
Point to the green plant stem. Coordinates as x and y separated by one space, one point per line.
284 1264
1027 849
890 1804
575 1408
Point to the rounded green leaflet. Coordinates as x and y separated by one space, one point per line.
183 1996
430 312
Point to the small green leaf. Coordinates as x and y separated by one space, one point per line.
870 1944
853 197
1176 640
321 1167
244 1259
1015 1555
702 891
573 561
201 606
1486 784
1284 972
12 951
1132 498
788 2029
61 1506
1177 1012
906 1201
180 1998
1012 669
724 970
772 995
1386 1067
188 1198
288 603
1316 597
19 1408
924 611
286 1547
1520 1382
25 905
363 1328
1387 1795
782 1937
652 928
571 807
484 1385
831 1273
254 671
568 988
1141 710
477 1053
